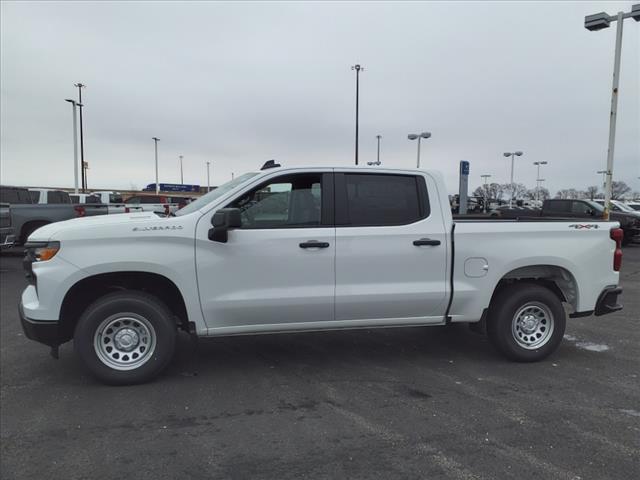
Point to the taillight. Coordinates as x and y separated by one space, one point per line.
617 234
80 211
126 209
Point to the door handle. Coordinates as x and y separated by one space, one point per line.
426 241
314 244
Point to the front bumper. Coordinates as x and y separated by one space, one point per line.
40 331
608 301
7 238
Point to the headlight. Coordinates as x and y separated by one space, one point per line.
42 251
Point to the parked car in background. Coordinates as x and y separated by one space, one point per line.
634 205
618 206
46 196
96 200
7 237
153 203
579 209
84 198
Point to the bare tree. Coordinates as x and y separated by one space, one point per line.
619 190
591 192
543 194
569 193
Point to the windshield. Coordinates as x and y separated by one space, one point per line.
214 194
624 207
596 206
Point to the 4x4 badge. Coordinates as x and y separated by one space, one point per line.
582 226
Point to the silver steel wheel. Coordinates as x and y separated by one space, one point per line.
532 325
124 341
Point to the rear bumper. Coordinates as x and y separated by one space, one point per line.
40 331
608 301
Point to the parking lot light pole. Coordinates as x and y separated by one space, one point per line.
513 189
208 178
604 178
377 162
156 140
80 86
181 175
596 22
486 191
358 69
538 179
416 136
75 146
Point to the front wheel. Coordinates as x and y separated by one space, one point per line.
125 337
526 322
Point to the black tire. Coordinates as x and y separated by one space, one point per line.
140 312
521 341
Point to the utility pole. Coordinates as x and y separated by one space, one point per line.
156 140
486 192
358 69
181 176
80 86
596 22
208 178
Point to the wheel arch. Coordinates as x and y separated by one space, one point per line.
87 290
556 278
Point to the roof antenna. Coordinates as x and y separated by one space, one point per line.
270 164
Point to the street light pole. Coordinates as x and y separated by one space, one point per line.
486 191
604 178
538 179
181 176
84 170
208 178
377 162
156 140
512 155
358 69
595 22
75 146
414 136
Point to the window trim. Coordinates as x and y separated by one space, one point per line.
326 207
341 203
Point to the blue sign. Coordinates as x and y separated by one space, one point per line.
464 167
172 187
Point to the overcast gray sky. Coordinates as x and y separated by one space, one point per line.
239 83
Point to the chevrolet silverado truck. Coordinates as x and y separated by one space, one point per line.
307 249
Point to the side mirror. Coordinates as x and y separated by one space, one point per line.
222 221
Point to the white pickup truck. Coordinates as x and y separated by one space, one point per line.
303 249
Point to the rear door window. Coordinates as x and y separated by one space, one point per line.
581 208
35 196
380 199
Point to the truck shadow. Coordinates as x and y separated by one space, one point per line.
331 351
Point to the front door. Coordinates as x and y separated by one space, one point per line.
278 268
391 249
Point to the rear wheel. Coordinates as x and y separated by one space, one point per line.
126 337
526 322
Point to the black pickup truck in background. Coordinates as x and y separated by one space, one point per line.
578 209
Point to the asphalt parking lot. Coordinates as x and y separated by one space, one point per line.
392 404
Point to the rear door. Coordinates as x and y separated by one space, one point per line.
391 251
